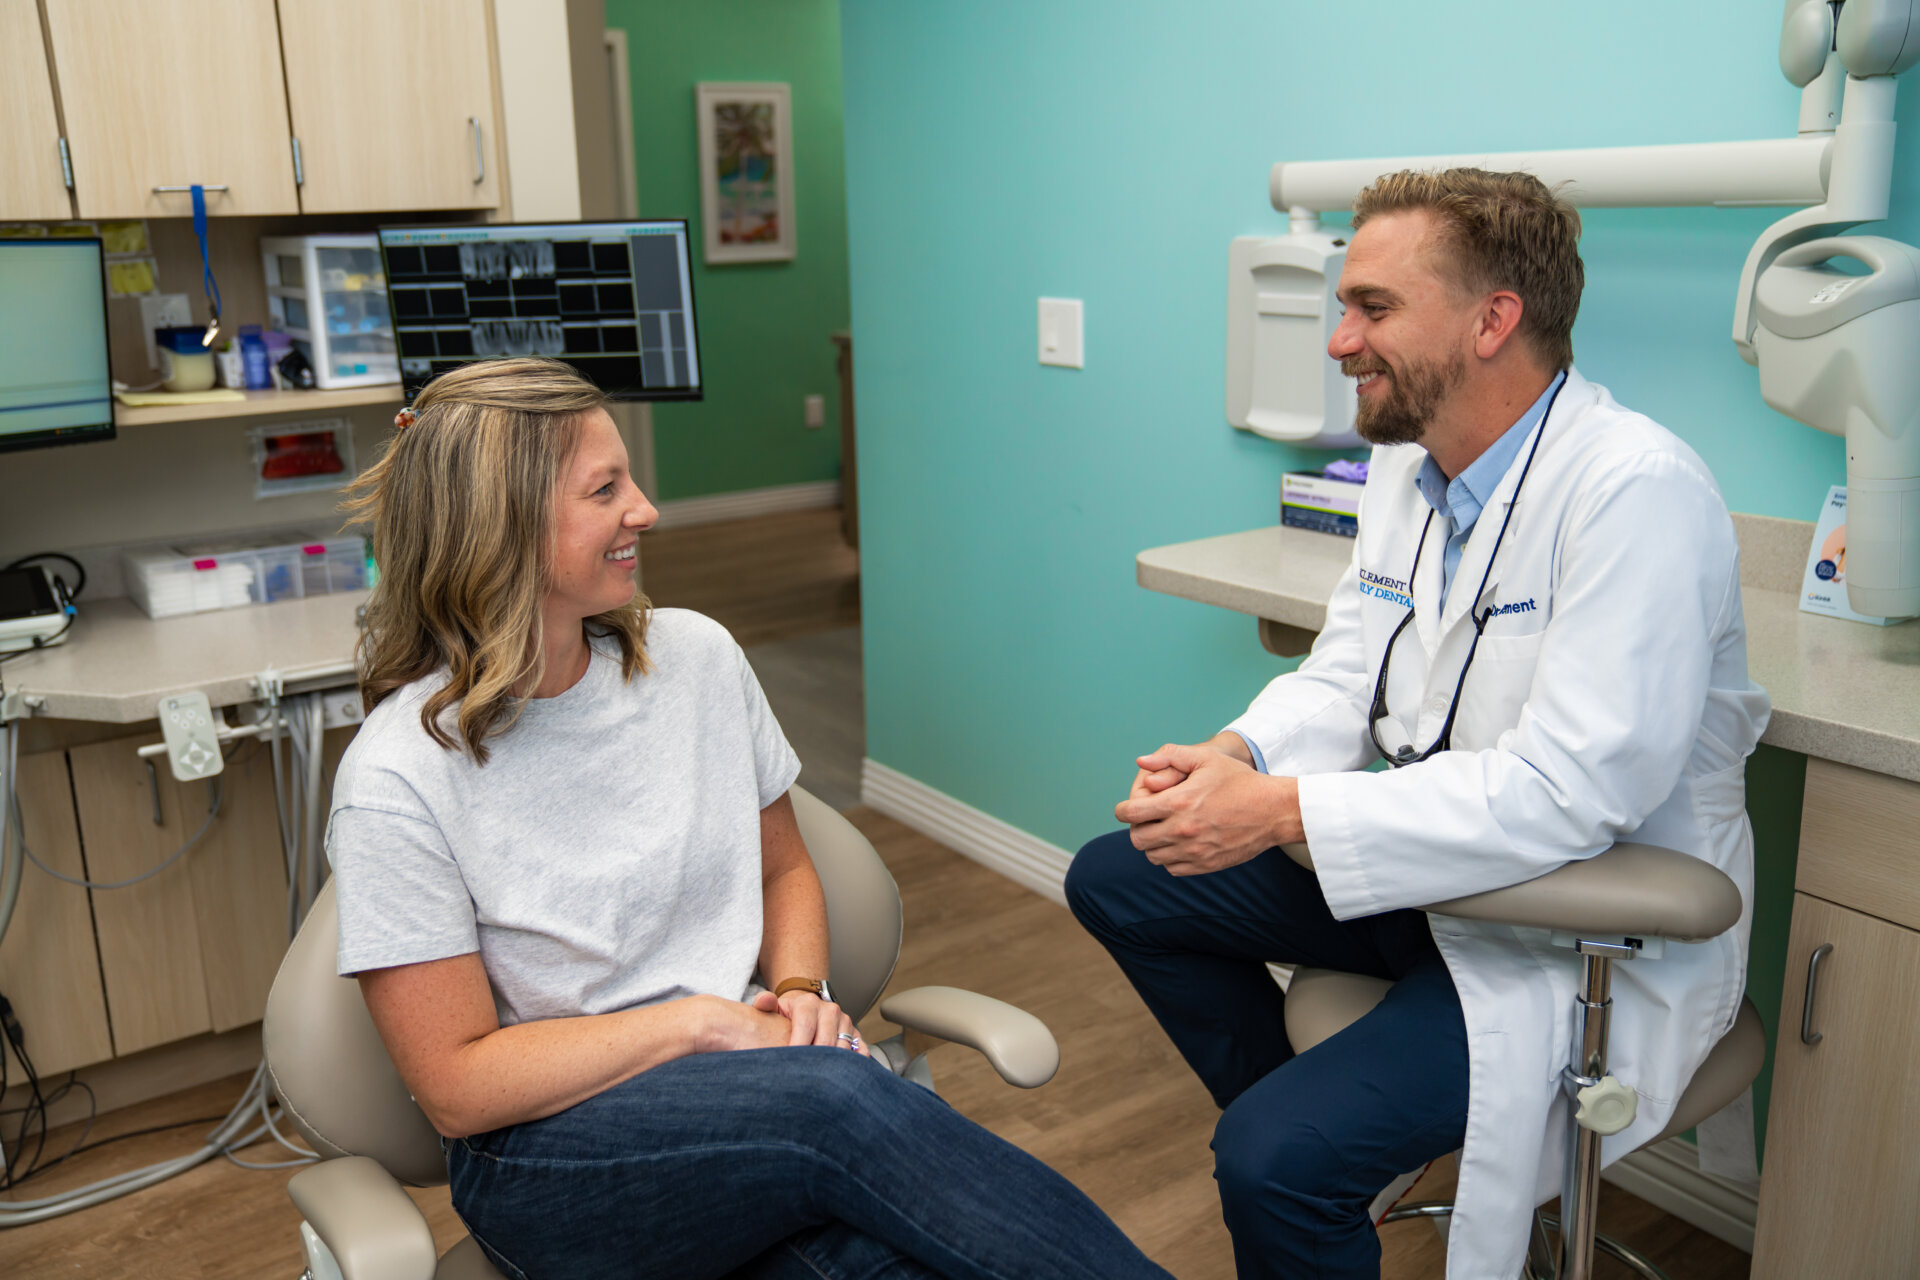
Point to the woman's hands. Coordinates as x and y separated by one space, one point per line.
776 1022
813 1020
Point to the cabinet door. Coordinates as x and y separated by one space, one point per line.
31 184
149 932
48 968
239 890
196 947
173 92
1838 1194
392 103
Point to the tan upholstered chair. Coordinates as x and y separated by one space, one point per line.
342 1093
1617 906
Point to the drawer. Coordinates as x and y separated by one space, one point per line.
1860 841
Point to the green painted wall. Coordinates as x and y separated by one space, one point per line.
763 326
1000 151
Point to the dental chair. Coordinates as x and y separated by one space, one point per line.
341 1092
1622 905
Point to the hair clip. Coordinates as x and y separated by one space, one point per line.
404 419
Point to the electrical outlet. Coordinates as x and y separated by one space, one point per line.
340 708
816 411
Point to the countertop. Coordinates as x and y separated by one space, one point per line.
1843 691
118 663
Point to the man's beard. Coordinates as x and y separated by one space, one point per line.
1414 395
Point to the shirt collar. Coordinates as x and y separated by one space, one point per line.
1463 498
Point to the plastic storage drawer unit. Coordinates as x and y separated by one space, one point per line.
230 573
329 294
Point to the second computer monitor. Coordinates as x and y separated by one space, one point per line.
613 299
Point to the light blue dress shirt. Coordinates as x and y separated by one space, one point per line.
1460 501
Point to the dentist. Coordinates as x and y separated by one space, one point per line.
1541 634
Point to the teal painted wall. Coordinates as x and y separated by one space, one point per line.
763 326
998 152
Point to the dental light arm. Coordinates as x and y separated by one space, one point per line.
1872 42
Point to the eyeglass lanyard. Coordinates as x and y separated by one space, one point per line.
1406 755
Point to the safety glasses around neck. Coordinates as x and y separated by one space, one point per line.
1407 753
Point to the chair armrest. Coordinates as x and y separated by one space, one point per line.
1632 889
1018 1044
366 1219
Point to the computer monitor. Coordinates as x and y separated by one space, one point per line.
613 299
55 386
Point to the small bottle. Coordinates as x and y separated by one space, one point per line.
253 358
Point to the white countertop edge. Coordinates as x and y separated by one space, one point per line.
1211 571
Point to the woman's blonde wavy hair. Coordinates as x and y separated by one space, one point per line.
461 513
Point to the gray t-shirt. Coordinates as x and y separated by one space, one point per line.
606 856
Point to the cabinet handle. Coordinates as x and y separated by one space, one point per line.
479 153
205 186
153 787
1807 1034
66 164
299 170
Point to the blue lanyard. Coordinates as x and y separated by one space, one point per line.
208 284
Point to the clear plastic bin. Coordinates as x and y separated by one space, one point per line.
231 573
333 564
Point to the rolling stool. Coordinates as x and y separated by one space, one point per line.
1626 902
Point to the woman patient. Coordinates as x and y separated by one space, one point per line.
563 848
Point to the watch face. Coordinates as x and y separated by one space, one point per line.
826 992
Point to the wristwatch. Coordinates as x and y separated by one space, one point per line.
818 986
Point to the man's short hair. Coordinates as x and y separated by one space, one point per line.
1498 231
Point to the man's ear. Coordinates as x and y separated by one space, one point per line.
1497 322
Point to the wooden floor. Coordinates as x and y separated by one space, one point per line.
770 578
1124 1119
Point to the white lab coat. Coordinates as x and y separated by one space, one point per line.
1610 702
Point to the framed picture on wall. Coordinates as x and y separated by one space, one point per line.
746 171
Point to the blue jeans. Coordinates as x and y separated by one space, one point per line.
1304 1142
775 1164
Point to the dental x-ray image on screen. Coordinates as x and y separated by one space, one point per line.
613 299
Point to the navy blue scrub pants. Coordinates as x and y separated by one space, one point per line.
1305 1142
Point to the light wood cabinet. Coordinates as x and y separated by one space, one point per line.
1841 1175
195 947
392 104
32 184
48 968
169 93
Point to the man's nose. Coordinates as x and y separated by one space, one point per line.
1345 341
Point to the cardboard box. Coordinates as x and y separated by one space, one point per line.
1309 501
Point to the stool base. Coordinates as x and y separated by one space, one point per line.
1536 1269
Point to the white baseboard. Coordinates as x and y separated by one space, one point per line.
679 513
1025 859
1667 1176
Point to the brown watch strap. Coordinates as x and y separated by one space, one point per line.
798 984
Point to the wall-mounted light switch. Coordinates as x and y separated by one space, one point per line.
1061 339
816 411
